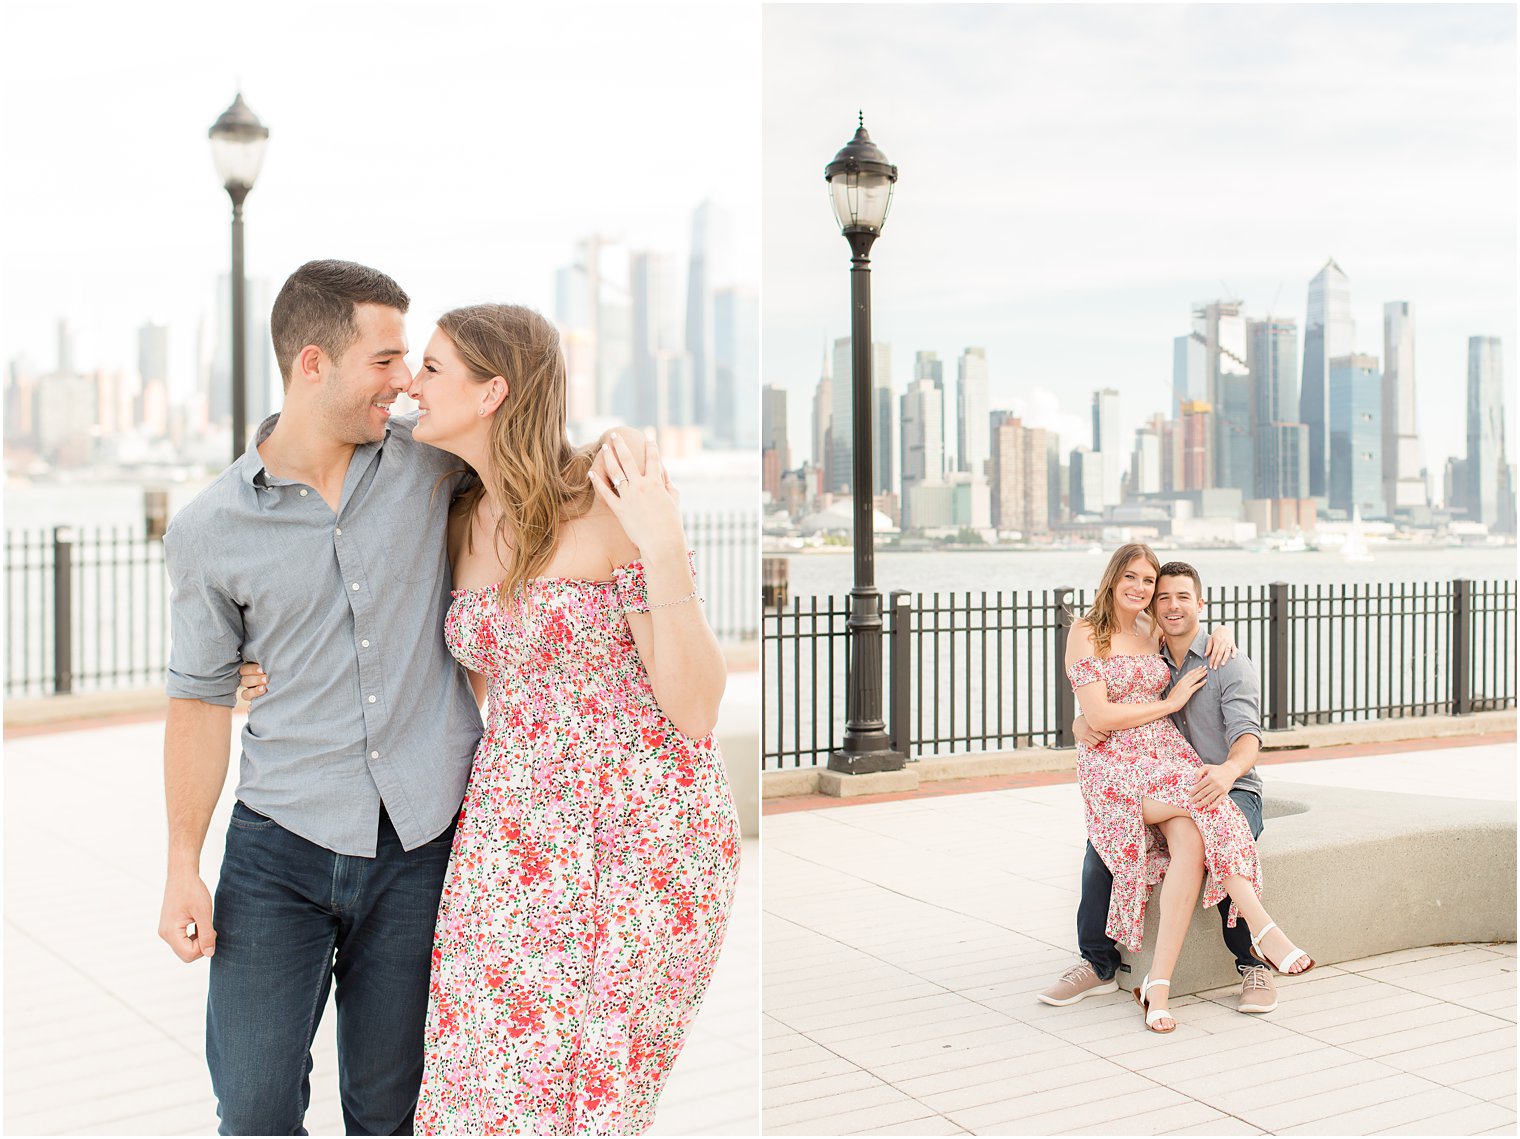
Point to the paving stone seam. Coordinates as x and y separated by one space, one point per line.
85 978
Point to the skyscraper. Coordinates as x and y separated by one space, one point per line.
884 439
1145 462
1105 444
1197 433
706 270
1272 356
1403 484
972 427
651 287
1487 464
923 452
152 376
1220 329
262 374
1329 334
1356 436
594 309
1086 476
928 366
775 450
153 352
736 376
923 431
841 449
1020 470
67 361
1189 371
823 413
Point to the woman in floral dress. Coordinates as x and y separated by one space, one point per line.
1136 785
597 849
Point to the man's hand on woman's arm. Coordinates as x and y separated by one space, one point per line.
1085 734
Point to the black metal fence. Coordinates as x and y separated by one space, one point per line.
85 609
88 609
727 548
985 672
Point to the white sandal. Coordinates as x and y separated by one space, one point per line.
1152 1017
1293 957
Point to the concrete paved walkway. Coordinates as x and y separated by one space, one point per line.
905 942
104 1026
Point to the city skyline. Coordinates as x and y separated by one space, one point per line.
449 187
1049 209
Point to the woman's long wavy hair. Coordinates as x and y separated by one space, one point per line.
1101 617
534 473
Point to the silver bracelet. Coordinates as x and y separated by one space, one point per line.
682 601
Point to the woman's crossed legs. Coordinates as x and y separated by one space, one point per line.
1179 891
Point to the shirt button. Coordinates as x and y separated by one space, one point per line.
371 699
354 586
340 531
364 643
374 754
303 492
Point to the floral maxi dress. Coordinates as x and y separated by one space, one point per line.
1150 761
591 877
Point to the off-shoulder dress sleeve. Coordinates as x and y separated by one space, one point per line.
1088 670
633 591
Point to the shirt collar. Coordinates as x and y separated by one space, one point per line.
1200 639
250 464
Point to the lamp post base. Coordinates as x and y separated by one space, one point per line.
869 753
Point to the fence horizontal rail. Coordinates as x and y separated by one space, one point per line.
87 608
985 671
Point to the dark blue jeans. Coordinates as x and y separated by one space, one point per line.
290 917
1098 885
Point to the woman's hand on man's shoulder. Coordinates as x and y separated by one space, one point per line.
629 435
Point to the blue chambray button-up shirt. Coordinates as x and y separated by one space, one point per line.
1223 710
345 612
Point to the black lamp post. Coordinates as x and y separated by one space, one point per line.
860 185
237 148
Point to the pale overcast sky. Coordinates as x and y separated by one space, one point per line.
461 147
1074 177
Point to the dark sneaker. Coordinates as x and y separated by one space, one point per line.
1258 992
1077 982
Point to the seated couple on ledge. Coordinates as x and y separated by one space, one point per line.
1168 732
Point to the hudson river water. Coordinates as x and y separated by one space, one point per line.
992 570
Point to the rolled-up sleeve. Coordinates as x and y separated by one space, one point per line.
1239 700
206 629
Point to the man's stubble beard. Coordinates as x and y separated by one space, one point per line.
346 414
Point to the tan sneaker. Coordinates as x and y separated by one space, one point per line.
1258 992
1077 982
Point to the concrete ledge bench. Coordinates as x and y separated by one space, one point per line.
1351 873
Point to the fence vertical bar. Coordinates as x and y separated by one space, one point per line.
1278 716
63 610
1066 700
900 674
1461 646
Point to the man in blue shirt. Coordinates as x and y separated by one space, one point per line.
320 553
1222 721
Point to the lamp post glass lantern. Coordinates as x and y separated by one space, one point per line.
238 139
860 189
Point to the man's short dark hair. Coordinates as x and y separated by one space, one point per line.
1181 569
316 306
